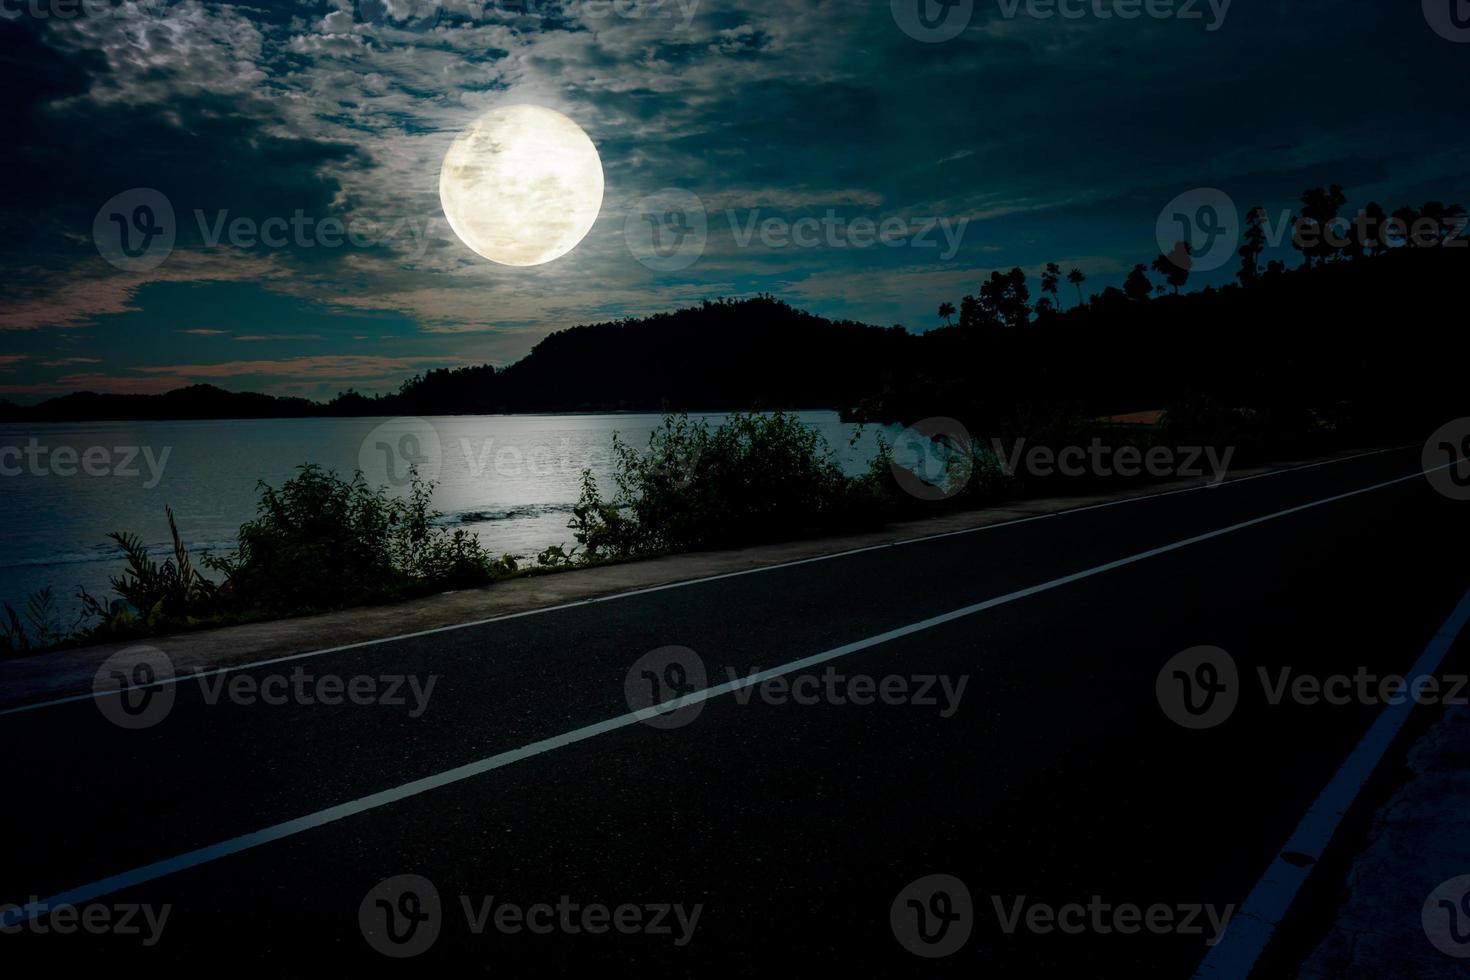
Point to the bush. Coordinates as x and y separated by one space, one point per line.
754 478
324 542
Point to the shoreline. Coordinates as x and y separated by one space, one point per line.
70 671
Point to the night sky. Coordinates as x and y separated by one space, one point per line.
1051 138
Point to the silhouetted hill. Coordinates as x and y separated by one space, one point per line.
1349 344
194 402
754 353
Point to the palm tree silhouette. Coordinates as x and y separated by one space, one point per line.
946 312
1076 277
1050 278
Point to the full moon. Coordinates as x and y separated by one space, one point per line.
521 186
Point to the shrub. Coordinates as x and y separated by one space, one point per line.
324 542
754 478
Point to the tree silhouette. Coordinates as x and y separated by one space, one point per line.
1407 218
1255 244
1137 285
1005 297
1442 221
1077 278
1310 230
1050 280
946 313
1366 235
1175 266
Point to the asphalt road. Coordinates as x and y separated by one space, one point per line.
1054 776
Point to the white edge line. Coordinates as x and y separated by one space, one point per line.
11 915
1235 956
214 671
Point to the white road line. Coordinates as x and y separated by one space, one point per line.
1250 931
193 859
214 671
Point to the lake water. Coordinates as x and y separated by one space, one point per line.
512 480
